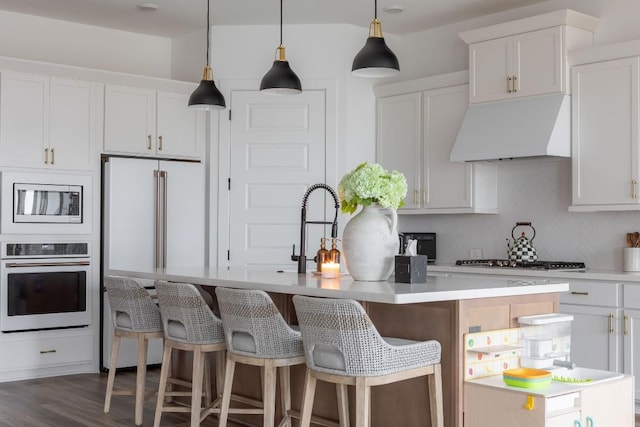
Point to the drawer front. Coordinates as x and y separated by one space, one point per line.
606 294
631 296
45 352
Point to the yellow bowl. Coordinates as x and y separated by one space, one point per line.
526 377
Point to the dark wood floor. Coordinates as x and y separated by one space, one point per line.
78 400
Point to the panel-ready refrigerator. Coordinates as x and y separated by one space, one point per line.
153 217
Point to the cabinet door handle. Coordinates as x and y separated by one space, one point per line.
424 197
149 142
53 156
47 351
611 330
509 84
46 156
514 84
626 325
160 143
634 185
579 293
415 197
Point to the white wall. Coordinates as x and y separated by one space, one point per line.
60 42
313 51
536 191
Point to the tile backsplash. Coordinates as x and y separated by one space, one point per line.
536 191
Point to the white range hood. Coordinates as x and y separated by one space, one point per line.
529 127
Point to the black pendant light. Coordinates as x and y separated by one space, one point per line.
207 96
280 79
375 59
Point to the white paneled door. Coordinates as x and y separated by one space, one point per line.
277 150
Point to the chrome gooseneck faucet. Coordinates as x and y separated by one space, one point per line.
302 258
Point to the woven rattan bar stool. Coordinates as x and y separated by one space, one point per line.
343 346
135 315
189 325
257 334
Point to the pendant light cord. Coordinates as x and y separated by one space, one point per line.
281 22
208 29
375 9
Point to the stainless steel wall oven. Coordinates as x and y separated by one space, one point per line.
44 286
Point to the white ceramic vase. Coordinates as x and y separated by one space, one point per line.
370 243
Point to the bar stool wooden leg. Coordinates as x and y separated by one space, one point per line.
285 395
363 402
307 400
220 360
269 394
435 397
226 393
141 376
343 404
164 375
115 348
207 379
196 386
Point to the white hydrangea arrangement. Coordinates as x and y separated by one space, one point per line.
371 183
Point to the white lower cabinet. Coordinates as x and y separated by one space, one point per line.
596 341
489 403
46 353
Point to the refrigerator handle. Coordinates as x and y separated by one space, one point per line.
164 175
158 237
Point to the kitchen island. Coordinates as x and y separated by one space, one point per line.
443 308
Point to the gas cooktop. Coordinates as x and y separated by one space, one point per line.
536 265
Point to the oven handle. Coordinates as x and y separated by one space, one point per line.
46 264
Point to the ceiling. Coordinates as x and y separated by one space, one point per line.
176 17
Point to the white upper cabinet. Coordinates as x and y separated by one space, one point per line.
415 133
525 57
46 122
153 123
523 65
399 139
605 156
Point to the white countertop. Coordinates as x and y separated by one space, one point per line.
605 275
437 288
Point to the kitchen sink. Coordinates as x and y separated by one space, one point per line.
582 376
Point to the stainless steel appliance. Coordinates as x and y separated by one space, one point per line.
47 203
153 217
34 203
535 265
44 286
425 244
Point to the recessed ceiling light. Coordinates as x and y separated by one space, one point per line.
147 7
393 9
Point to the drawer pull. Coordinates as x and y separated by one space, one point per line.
47 351
579 293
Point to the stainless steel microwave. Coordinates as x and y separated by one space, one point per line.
47 203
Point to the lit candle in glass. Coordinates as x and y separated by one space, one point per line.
330 270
